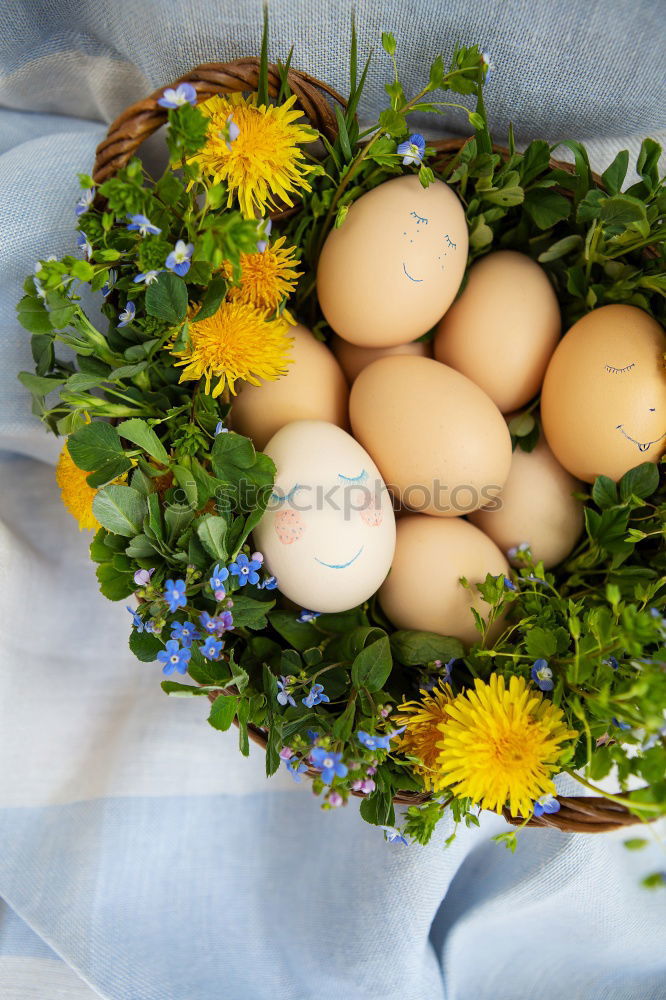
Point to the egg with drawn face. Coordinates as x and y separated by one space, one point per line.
328 533
394 266
603 402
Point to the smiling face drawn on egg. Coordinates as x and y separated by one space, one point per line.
389 272
603 404
642 446
416 234
328 533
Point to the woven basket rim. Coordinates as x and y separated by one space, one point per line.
577 814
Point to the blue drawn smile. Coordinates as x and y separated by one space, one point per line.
339 565
408 274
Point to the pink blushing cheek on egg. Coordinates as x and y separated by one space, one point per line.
372 515
289 526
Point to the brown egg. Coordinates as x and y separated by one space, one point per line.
423 589
603 402
354 359
503 329
315 388
535 506
441 444
395 264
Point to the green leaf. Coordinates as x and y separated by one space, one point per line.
621 212
609 529
139 433
235 461
166 298
273 746
635 843
343 136
120 509
223 711
96 448
582 176
83 382
415 649
177 518
546 208
590 206
82 270
38 385
249 613
522 425
373 665
154 519
378 808
33 315
212 299
393 122
187 482
212 530
141 547
604 492
115 586
243 715
613 176
534 161
93 445
388 43
41 348
561 248
540 643
300 635
647 164
641 481
344 724
179 690
145 645
436 78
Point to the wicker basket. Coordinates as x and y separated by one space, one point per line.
577 814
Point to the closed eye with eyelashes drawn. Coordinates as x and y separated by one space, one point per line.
619 371
449 242
419 218
280 498
362 476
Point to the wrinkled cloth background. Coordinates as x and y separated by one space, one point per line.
142 858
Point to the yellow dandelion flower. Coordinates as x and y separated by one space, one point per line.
424 722
261 159
502 745
237 342
267 277
76 495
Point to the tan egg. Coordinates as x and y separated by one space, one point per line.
535 506
503 329
395 264
603 402
314 388
423 589
441 444
354 359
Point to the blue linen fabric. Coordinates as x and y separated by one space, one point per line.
143 858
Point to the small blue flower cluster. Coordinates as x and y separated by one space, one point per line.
177 652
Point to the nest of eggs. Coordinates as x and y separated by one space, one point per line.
431 396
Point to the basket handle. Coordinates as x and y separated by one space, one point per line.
140 120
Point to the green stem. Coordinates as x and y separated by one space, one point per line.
621 800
